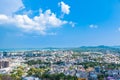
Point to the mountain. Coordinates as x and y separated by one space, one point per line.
101 48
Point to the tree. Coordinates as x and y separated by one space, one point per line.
17 74
100 77
31 71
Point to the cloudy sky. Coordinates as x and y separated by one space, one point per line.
59 23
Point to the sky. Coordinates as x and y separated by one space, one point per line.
59 23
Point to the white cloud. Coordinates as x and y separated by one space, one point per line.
64 7
93 26
3 19
72 24
8 7
39 24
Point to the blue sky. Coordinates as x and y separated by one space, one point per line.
59 23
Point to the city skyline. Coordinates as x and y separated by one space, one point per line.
62 23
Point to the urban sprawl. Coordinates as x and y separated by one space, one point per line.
85 63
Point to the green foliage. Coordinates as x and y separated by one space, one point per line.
17 74
33 62
31 71
5 77
100 77
38 72
43 74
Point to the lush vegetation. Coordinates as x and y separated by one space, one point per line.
17 73
43 74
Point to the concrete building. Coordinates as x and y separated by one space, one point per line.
4 64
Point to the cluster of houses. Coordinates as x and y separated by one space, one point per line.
64 61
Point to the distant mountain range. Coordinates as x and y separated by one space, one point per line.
101 48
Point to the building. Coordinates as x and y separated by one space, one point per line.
4 64
31 78
1 55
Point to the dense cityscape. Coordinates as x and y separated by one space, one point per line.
84 63
59 39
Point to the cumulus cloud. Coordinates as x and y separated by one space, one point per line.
64 7
40 23
93 26
8 7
